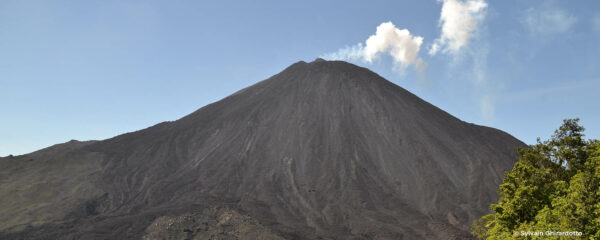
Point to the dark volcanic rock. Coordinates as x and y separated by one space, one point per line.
212 223
322 150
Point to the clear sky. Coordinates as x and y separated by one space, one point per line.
95 69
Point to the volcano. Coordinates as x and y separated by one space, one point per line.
322 150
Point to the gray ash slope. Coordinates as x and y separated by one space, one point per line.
322 150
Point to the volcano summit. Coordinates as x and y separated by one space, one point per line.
322 150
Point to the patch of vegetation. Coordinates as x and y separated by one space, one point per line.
555 186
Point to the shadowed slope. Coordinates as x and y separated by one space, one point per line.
323 149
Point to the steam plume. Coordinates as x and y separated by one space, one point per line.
459 21
398 43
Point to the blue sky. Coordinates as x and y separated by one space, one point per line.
95 69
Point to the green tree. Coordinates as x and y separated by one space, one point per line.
555 186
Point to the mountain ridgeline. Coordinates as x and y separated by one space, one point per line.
322 150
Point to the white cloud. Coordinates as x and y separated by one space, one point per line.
596 22
547 21
459 21
487 107
463 35
480 62
398 43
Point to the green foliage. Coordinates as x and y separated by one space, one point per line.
555 186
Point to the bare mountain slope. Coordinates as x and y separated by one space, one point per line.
322 150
